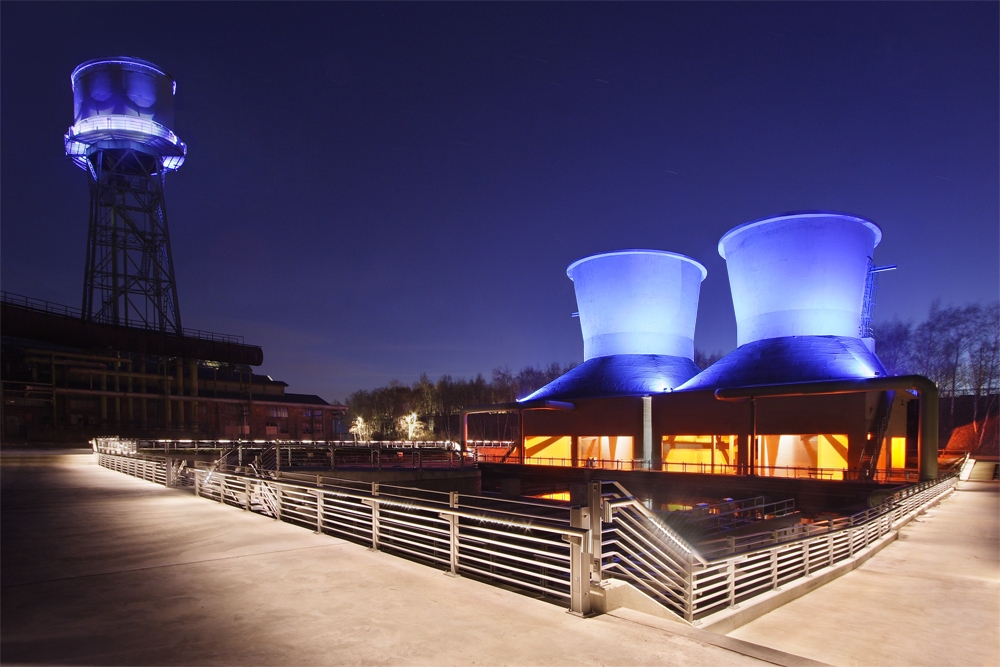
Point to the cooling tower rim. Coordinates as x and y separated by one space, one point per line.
739 229
638 251
121 60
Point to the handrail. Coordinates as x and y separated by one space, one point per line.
538 549
43 306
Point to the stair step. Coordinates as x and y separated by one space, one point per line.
984 471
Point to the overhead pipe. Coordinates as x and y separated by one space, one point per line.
927 392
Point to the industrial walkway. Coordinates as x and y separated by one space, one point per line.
931 598
102 568
105 569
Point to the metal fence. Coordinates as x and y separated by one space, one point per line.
640 549
147 469
539 548
227 444
43 306
795 472
550 549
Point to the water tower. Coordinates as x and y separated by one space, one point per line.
123 111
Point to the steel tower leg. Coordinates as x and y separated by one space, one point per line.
129 272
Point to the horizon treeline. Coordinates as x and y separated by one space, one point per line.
429 410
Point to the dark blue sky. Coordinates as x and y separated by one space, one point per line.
377 190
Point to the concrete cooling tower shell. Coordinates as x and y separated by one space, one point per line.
799 274
798 283
637 302
637 315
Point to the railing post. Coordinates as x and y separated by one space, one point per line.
689 592
579 563
168 479
319 511
197 483
805 556
774 569
375 517
731 583
596 530
453 533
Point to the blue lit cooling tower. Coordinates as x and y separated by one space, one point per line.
798 282
637 314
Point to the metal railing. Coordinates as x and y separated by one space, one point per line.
723 583
147 469
795 472
228 444
695 584
704 519
551 549
43 306
540 548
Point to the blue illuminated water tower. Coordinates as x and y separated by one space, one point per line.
123 111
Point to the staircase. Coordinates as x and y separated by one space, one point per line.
985 471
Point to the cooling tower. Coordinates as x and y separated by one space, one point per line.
798 284
799 274
637 302
637 315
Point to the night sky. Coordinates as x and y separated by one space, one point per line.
373 191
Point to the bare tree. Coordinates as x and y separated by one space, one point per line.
893 345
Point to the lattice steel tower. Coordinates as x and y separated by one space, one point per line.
123 110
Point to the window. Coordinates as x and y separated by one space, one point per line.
713 454
798 455
551 450
277 411
896 451
605 451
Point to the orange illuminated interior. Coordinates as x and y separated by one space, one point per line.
554 450
777 455
699 453
605 448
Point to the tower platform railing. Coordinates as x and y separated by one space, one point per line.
44 306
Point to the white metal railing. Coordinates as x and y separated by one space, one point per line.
900 475
725 582
539 547
549 548
229 444
147 469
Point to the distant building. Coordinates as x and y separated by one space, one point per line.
66 380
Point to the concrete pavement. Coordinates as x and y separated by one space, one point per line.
102 568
